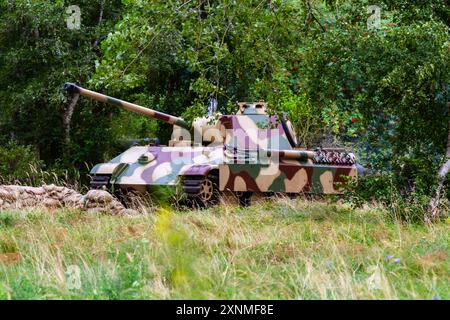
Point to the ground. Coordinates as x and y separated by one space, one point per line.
278 249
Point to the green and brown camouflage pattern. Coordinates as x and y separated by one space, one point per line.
250 151
258 157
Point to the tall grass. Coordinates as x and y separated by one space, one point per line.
280 249
37 176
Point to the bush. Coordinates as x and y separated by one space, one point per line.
384 188
16 161
21 165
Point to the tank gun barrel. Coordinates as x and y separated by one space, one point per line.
292 154
73 88
272 153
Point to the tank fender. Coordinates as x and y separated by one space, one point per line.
106 168
198 169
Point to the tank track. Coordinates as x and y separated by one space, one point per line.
100 182
192 186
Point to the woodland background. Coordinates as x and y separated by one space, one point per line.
383 92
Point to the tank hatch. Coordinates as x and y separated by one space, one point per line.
248 108
146 158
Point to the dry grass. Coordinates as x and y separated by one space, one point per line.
279 249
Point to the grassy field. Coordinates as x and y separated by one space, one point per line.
281 249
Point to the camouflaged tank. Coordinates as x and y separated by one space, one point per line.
244 153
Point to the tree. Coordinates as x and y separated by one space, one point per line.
432 214
385 89
38 53
180 54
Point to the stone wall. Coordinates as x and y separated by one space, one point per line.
54 197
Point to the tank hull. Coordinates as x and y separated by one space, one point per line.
286 176
143 166
139 168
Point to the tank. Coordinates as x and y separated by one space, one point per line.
244 153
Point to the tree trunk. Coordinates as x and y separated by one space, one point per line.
67 117
100 19
432 213
312 15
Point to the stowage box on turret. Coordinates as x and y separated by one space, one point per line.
244 153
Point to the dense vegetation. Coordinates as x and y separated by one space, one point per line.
384 92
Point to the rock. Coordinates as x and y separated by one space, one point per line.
49 187
59 189
30 202
74 200
52 197
51 203
7 195
99 196
36 191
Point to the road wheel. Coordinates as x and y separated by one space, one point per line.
206 190
201 191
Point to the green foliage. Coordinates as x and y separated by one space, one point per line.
38 54
21 165
195 51
384 190
15 161
383 92
301 112
8 219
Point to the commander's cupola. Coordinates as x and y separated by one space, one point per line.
252 108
